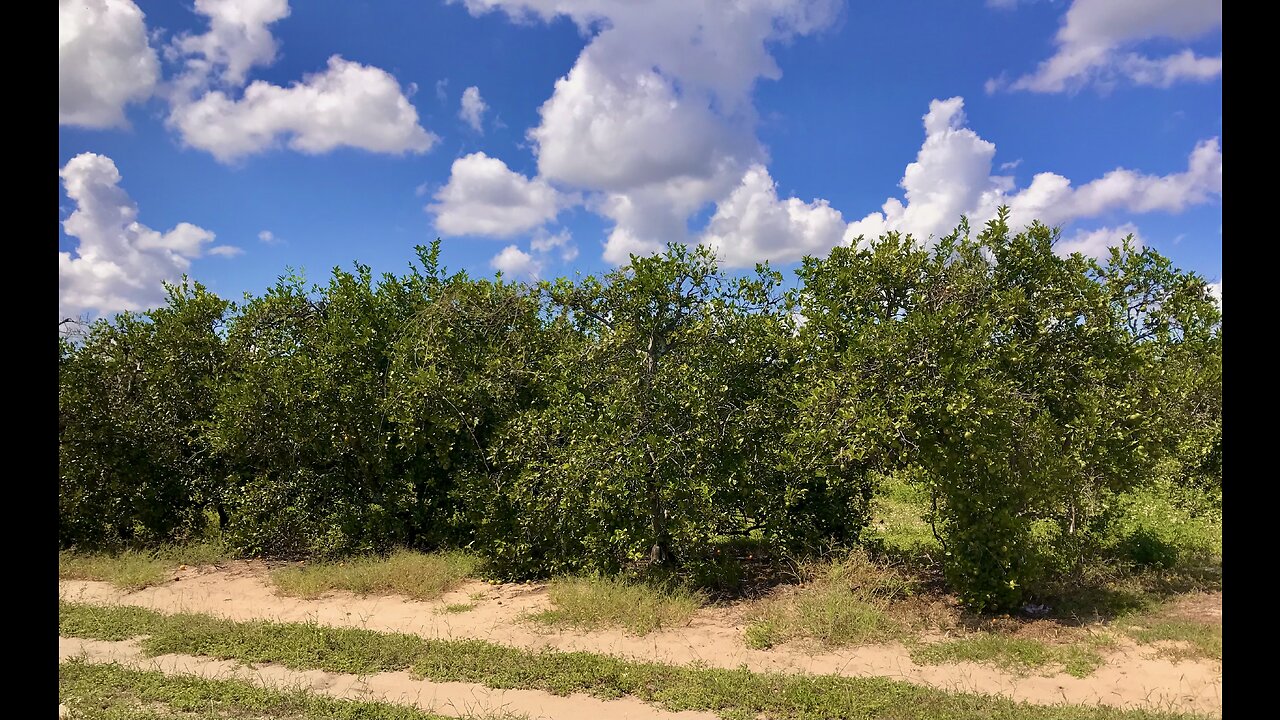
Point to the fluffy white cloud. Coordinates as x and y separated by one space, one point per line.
1095 243
237 40
484 197
104 61
656 114
348 104
616 134
119 263
1093 33
752 224
515 263
269 237
656 155
1051 199
1215 289
473 107
648 217
952 176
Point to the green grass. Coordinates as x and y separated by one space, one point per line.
111 692
1101 592
897 519
840 603
455 608
591 603
736 694
1018 655
1165 526
114 623
137 569
413 574
1195 639
129 570
211 552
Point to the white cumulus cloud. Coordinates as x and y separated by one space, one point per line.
237 40
118 264
347 105
752 224
516 263
952 176
1095 33
472 108
655 118
485 197
1051 198
104 61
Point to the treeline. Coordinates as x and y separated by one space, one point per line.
648 417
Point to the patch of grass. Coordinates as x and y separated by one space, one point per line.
118 622
129 570
1015 654
210 552
1101 592
455 608
897 520
840 603
133 570
730 693
590 603
1164 526
112 692
1194 639
413 574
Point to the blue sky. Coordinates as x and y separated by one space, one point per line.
190 130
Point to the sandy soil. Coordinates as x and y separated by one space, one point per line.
1133 676
453 699
1200 607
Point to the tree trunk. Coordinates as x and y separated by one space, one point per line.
660 553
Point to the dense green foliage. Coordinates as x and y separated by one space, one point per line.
135 398
650 417
1015 384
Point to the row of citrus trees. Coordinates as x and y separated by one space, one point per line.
646 416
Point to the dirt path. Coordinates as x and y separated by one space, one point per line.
453 699
1133 676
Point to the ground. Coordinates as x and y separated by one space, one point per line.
1143 660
